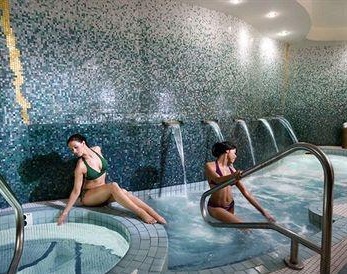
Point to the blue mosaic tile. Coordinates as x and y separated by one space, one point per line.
114 70
317 88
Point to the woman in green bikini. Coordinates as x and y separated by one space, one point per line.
91 187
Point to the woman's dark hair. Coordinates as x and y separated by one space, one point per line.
77 137
221 147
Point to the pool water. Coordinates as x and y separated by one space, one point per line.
285 189
70 248
193 244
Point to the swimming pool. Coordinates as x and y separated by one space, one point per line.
75 247
71 248
144 247
286 189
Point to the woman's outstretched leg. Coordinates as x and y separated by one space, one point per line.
146 207
122 197
112 192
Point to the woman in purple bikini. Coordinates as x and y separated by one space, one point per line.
221 202
90 185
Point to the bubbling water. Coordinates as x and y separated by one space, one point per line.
285 189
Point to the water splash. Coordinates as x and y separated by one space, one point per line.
269 128
245 128
216 129
287 125
176 131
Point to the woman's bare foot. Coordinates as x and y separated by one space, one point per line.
156 216
161 220
148 219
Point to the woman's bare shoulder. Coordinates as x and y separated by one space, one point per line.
210 165
97 149
80 165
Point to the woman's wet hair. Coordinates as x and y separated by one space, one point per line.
221 147
77 137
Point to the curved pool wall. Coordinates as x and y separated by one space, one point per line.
147 243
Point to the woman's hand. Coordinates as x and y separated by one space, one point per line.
62 218
238 174
269 217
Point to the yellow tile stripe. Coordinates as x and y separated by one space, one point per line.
15 63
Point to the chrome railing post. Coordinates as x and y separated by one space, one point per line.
327 222
9 196
293 261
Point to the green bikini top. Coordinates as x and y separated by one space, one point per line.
93 174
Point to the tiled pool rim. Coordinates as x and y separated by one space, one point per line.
148 244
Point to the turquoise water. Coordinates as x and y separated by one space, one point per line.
62 256
70 248
285 189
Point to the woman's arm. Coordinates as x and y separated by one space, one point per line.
78 181
253 201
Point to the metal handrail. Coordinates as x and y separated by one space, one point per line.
325 249
9 196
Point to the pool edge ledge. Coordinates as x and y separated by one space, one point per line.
148 244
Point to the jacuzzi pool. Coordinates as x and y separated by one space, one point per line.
72 248
81 246
285 189
147 243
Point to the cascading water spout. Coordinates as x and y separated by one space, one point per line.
176 131
245 128
216 129
269 128
287 125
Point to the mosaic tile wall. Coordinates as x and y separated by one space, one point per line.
114 70
316 97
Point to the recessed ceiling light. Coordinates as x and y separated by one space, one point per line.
272 14
235 2
283 33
